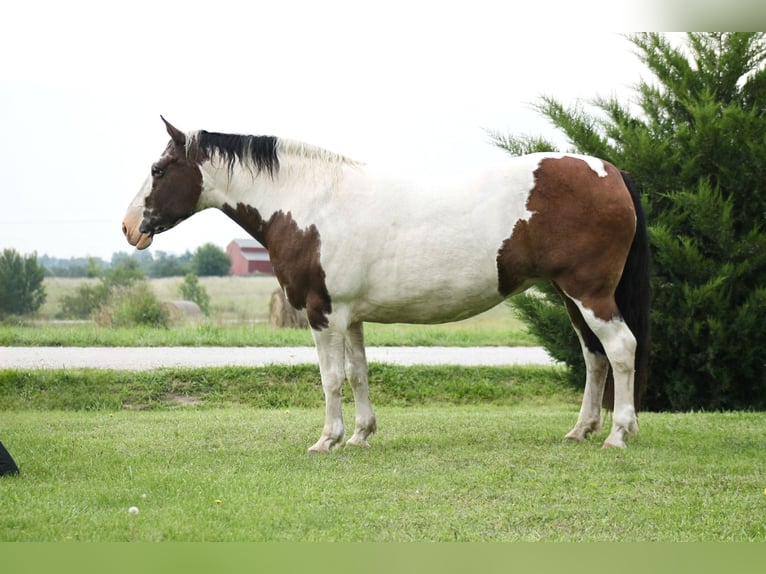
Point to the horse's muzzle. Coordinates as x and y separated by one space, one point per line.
135 236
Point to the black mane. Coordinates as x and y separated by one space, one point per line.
259 152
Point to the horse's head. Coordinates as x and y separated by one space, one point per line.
169 195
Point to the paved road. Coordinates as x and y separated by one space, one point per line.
144 358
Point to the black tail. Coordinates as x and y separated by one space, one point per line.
633 294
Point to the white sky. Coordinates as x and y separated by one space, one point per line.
406 85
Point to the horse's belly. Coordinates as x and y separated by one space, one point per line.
428 304
421 314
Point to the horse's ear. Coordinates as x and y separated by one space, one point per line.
178 137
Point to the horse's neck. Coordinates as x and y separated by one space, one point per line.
297 186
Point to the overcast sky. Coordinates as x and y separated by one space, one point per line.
408 86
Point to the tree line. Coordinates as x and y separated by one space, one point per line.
207 260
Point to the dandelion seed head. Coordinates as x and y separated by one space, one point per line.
133 510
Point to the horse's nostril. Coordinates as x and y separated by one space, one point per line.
124 229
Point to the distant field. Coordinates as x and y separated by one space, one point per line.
239 317
231 298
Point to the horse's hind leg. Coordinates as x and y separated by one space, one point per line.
603 318
597 368
356 373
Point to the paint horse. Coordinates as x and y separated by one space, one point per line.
351 244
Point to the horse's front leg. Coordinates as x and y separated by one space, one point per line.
331 350
356 373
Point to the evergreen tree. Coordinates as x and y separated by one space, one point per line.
696 145
21 283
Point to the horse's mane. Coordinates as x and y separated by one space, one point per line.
257 153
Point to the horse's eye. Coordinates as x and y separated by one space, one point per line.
157 171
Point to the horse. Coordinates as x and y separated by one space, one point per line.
351 244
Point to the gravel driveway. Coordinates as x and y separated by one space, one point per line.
144 358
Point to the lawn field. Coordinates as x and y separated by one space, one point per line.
433 473
461 454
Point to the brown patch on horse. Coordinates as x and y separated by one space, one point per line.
579 234
176 189
294 255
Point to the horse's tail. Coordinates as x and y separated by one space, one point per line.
633 294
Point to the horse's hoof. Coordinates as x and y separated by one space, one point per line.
612 443
573 436
321 447
355 441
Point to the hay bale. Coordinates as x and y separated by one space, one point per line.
284 315
183 311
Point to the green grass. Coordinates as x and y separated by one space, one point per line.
274 387
461 454
259 335
434 473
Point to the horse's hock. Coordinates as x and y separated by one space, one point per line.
282 314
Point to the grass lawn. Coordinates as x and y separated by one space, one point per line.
459 466
437 473
469 333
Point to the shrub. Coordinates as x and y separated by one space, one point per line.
90 298
191 290
132 306
85 301
21 283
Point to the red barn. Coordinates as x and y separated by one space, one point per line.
248 256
